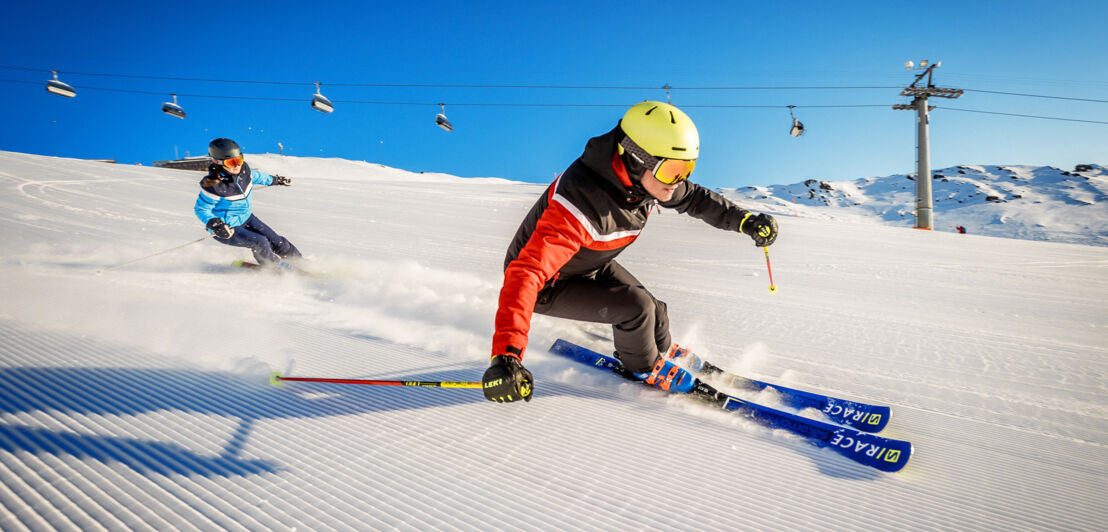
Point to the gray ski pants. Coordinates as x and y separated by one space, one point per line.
640 325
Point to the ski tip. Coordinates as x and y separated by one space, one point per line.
908 450
882 419
903 462
275 379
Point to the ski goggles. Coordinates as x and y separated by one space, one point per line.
667 171
672 171
233 162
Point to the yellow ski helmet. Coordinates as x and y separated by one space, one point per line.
662 130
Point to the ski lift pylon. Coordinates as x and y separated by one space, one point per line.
798 128
59 88
320 102
441 121
172 109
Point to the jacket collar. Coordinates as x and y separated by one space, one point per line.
217 171
602 158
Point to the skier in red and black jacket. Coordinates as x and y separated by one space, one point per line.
562 260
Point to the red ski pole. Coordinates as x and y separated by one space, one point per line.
772 287
277 378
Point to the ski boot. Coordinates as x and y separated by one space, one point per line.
686 358
669 377
281 267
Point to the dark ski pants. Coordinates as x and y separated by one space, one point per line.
267 245
640 325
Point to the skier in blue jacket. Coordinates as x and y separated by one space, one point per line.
224 206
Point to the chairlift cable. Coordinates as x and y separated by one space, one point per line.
456 85
1022 115
546 87
1038 96
456 104
577 105
160 93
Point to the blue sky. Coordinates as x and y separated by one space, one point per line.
1044 48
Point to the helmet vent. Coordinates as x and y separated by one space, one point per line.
651 110
672 119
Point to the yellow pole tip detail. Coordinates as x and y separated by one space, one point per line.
773 289
275 379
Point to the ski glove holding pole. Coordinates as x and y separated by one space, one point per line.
282 180
507 380
762 228
220 228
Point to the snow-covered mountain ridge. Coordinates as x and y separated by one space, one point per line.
1026 202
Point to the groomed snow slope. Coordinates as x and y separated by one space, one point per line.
137 398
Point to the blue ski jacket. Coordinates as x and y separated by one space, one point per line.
229 198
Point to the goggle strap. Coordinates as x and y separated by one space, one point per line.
655 163
638 153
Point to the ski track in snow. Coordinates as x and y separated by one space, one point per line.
138 398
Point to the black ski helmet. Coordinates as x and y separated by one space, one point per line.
221 148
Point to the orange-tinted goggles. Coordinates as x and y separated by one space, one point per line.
233 162
671 171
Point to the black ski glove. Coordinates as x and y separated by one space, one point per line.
762 228
282 180
220 229
507 380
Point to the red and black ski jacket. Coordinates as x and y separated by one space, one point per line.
584 220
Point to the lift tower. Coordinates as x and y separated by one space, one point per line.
924 204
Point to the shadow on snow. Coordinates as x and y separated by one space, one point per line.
99 391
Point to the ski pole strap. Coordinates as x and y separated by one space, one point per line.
745 218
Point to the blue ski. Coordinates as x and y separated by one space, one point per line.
880 453
862 416
298 270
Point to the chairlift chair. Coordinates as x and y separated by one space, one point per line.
441 121
172 109
321 103
798 127
59 88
